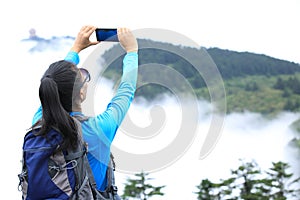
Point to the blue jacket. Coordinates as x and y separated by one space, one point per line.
100 130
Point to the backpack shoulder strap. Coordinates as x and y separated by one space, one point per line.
111 186
78 119
111 168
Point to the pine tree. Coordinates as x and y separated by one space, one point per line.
139 188
250 186
282 182
248 182
280 84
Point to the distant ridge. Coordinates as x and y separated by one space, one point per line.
231 64
235 64
253 82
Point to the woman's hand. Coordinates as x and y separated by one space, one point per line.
82 40
127 40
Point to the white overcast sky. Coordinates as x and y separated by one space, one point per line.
268 27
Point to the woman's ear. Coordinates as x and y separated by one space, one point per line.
82 93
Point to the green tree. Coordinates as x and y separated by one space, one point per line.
283 185
139 188
280 84
252 86
287 92
248 182
215 191
291 105
205 190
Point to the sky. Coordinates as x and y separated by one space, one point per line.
267 27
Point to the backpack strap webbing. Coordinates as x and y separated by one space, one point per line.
74 156
82 153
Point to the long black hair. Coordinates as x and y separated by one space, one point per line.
56 96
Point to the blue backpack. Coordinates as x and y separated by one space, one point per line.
51 174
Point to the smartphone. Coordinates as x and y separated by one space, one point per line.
107 34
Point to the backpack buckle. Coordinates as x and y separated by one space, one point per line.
21 179
114 189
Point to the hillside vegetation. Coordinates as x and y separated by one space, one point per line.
253 82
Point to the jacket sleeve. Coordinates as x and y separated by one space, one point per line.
112 117
72 57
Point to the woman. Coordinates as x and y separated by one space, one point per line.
62 91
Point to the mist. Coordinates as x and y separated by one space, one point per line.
245 136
